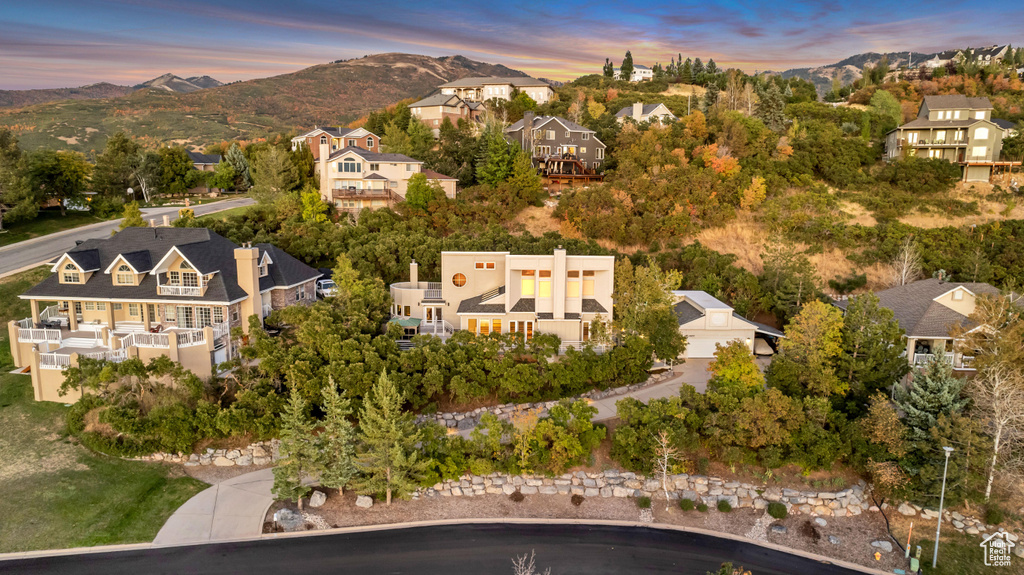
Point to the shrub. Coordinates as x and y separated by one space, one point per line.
517 496
643 502
993 515
686 504
702 508
703 465
724 506
578 500
777 510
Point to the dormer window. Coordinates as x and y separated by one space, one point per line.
369 141
125 276
323 140
263 270
70 274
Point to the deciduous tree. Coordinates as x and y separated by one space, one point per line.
734 371
61 176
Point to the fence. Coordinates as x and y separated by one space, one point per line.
54 361
190 338
39 335
143 339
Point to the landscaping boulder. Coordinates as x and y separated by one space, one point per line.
883 545
833 539
906 509
364 501
222 461
289 520
820 521
317 499
780 529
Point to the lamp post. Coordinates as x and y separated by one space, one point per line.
942 499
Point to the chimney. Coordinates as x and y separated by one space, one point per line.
248 276
325 152
414 274
638 111
559 275
167 220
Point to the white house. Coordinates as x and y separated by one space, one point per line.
707 322
640 73
640 112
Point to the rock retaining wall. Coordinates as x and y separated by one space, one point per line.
259 453
470 419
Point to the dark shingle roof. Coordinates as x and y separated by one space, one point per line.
198 158
87 258
475 305
286 270
1004 124
480 81
957 101
687 312
143 247
524 305
540 121
628 110
917 313
374 156
926 123
593 306
437 100
760 327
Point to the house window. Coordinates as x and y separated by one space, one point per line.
979 115
151 311
134 310
585 135
485 265
942 115
958 295
185 317
300 293
485 326
234 313
408 311
352 143
586 331
940 137
350 166
374 167
956 115
369 141
471 325
588 283
981 134
409 167
495 326
527 284
458 280
567 134
218 314
549 135
125 276
169 313
101 306
78 308
190 279
572 288
118 307
377 203
203 317
174 278
912 137
71 275
959 137
544 285
979 151
90 306
323 139
263 270
583 150
600 153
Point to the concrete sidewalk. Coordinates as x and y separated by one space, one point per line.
232 509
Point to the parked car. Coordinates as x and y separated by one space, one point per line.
326 288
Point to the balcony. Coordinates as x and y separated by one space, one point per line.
192 291
409 293
958 361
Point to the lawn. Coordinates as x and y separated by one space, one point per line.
48 222
959 553
222 215
57 493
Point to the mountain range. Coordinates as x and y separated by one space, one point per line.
851 68
168 82
170 109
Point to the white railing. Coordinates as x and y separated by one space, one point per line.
924 358
221 329
191 337
432 294
266 310
143 339
579 345
25 323
114 356
439 327
54 313
39 335
54 361
179 290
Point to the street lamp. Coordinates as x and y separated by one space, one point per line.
942 499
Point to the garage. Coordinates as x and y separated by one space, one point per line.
707 322
701 347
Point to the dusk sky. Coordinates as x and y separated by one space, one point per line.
61 43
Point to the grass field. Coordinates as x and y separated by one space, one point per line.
56 493
48 222
222 215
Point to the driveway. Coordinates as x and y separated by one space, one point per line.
231 509
29 253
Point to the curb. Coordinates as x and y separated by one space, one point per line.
438 523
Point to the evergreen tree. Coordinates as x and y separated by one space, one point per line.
933 391
789 92
710 98
389 458
686 73
609 68
524 179
112 175
712 67
494 165
298 451
771 108
336 459
873 345
698 68
671 71
132 217
238 161
626 69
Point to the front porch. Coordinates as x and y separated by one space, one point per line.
921 351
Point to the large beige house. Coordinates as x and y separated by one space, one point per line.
483 89
354 179
433 111
150 292
928 311
954 128
498 292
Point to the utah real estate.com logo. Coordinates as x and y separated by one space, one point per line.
997 549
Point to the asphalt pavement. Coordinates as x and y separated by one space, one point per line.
450 549
36 250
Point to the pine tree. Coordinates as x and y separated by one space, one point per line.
698 68
626 69
771 108
872 350
712 67
524 180
336 460
298 451
933 391
389 459
710 98
494 165
235 157
686 74
609 68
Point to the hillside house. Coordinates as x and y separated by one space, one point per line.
336 139
150 292
434 110
558 146
483 89
954 128
707 323
640 112
640 73
498 292
204 163
354 179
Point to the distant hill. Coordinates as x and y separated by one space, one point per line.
324 95
851 68
20 98
172 83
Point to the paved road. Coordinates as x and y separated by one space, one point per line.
462 549
30 252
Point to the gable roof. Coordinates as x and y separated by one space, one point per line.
648 109
437 100
336 132
285 270
540 121
918 314
374 156
432 175
487 80
137 260
207 159
990 51
687 312
87 259
1004 124
952 101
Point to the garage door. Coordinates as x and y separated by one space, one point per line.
697 347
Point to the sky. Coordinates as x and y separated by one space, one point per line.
64 43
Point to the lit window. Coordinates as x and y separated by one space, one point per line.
408 311
485 327
458 280
485 265
979 115
544 285
528 283
125 276
572 289
588 283
495 326
981 134
471 325
586 331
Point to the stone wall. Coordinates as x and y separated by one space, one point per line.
259 453
470 419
